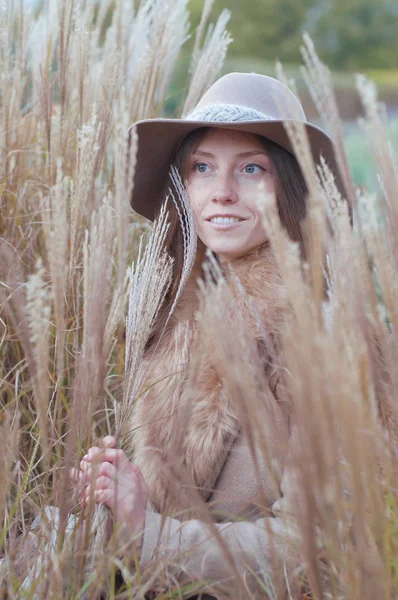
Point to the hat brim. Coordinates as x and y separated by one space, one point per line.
158 140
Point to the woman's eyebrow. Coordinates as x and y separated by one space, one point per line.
253 153
202 153
241 154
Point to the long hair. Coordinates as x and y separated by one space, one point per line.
291 192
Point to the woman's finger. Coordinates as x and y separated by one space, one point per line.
103 496
109 470
113 455
75 476
90 474
85 495
85 465
104 483
94 455
109 442
93 452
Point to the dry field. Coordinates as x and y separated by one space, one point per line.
70 365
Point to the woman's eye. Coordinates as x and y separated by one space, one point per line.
253 168
200 167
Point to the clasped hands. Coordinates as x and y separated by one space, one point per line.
107 477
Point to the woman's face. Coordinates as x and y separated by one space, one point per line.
226 175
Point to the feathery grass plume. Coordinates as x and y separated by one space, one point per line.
88 146
383 298
298 135
126 145
208 61
187 224
125 161
237 360
41 49
55 225
9 439
375 125
314 227
123 34
13 301
364 445
181 387
382 240
336 459
319 82
6 88
155 52
41 43
207 6
105 89
83 17
303 391
13 86
149 280
65 28
97 268
287 257
38 313
91 368
134 366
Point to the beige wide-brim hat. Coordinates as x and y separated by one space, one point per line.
241 101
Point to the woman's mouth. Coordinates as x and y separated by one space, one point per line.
225 222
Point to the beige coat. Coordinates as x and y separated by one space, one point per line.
212 461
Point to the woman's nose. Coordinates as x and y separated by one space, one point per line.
225 190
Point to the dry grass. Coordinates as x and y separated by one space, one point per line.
69 366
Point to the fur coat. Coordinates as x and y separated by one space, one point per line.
186 427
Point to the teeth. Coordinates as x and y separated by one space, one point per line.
225 220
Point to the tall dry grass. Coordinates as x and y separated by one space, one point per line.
70 368
71 85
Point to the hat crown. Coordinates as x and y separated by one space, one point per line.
258 93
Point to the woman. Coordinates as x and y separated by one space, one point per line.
231 150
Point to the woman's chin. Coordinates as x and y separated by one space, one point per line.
228 254
232 249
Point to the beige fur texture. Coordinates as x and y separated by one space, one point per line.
185 424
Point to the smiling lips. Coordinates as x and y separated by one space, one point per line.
224 219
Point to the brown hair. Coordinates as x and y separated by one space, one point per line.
291 192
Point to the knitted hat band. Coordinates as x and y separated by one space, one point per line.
222 113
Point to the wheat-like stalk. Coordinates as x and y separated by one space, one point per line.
149 281
38 314
207 61
187 224
319 82
154 53
55 223
88 146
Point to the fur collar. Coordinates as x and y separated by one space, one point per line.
179 392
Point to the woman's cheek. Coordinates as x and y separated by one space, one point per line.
197 205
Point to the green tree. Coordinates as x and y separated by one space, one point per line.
358 34
349 34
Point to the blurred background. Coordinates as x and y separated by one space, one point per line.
351 36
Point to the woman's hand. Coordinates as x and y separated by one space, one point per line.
108 477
